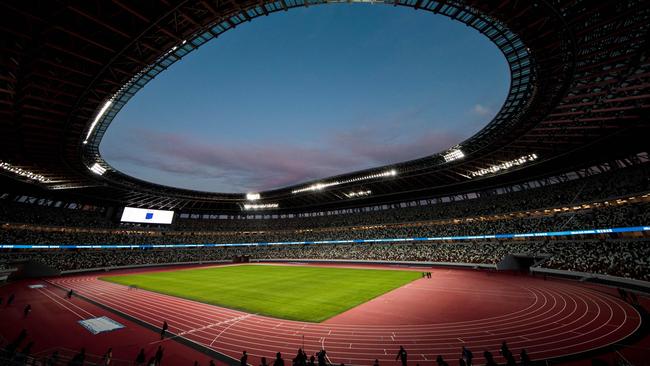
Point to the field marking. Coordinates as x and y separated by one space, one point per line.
574 302
290 323
229 326
60 304
555 293
227 321
219 310
70 302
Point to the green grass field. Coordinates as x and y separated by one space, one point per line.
289 292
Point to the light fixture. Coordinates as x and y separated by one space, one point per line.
99 116
97 169
503 166
260 206
252 196
358 194
23 172
321 186
453 154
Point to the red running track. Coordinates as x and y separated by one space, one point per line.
429 317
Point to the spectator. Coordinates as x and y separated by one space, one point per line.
140 358
278 360
402 356
243 361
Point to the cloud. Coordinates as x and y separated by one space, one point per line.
481 110
173 158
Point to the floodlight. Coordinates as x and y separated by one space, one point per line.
452 155
252 196
99 116
97 169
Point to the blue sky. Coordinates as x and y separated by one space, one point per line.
310 93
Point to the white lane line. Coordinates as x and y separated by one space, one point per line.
556 305
228 327
70 302
70 310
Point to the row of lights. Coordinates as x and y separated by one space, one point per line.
98 117
321 186
503 166
126 85
69 186
358 194
260 206
24 173
97 169
253 196
452 155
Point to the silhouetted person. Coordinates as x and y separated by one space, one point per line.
108 357
301 357
1 300
79 358
165 326
376 363
139 360
278 360
70 293
623 294
10 300
312 361
507 354
53 360
322 358
524 360
263 362
401 355
243 361
27 310
21 336
159 355
489 359
505 351
28 348
467 355
440 361
212 363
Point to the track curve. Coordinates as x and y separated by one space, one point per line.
548 318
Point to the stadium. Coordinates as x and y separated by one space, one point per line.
524 242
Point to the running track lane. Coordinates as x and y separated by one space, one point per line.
562 319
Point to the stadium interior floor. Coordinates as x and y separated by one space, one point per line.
53 322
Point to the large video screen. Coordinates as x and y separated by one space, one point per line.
145 216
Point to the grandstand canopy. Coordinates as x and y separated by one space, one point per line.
580 95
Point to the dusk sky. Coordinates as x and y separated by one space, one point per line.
307 94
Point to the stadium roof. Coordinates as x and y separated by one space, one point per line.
580 90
